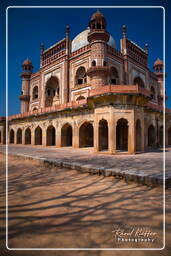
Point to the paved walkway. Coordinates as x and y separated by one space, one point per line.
145 168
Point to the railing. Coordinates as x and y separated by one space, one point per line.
81 50
135 89
71 104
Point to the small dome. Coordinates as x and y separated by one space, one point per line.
96 15
81 40
158 62
27 62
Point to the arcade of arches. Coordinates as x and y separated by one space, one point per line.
87 135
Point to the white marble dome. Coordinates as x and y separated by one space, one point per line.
81 40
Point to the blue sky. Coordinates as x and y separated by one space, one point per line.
28 27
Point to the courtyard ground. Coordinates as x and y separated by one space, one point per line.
53 207
145 168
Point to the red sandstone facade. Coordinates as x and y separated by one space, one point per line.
88 94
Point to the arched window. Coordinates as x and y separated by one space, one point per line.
80 98
93 64
152 93
35 93
104 63
12 136
81 77
98 26
139 81
114 77
52 92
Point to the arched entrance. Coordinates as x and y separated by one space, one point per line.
138 135
122 135
66 136
103 135
86 135
28 136
151 136
169 136
12 136
19 136
38 136
50 136
52 92
161 136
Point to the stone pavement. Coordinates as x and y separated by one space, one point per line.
145 168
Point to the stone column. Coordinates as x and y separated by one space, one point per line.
58 136
15 136
131 137
96 135
32 136
112 134
44 136
23 136
75 137
142 135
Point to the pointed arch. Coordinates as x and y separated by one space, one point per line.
11 136
50 136
86 135
38 136
19 136
66 135
151 136
51 91
138 81
28 136
122 134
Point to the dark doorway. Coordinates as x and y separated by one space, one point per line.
151 136
161 136
138 135
169 136
38 136
103 135
86 135
122 135
19 136
12 136
66 136
28 136
50 136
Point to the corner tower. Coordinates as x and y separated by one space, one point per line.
158 70
27 68
98 37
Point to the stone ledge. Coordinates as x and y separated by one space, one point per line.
129 175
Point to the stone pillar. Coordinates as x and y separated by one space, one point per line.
96 135
75 137
15 136
131 137
44 136
112 134
142 135
58 136
32 136
23 136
